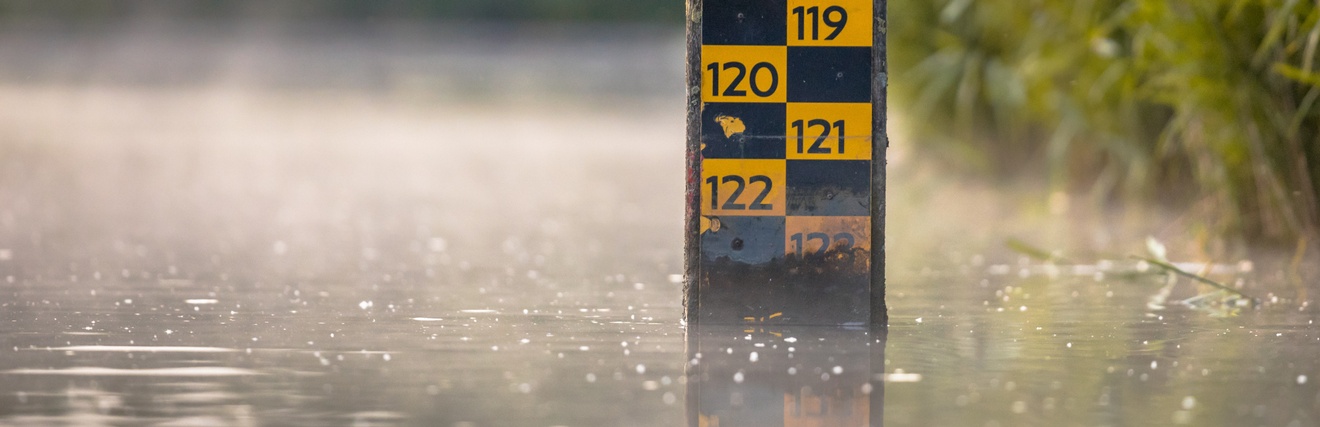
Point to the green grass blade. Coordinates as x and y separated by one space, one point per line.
1175 270
1031 251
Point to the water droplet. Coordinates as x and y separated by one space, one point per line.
1188 402
437 244
1301 379
753 357
738 377
641 369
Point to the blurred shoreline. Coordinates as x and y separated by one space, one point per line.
429 61
460 121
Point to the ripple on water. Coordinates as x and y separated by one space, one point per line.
91 371
148 349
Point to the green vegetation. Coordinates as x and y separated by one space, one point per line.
1204 105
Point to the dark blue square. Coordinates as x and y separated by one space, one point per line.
763 137
744 22
829 74
828 188
751 240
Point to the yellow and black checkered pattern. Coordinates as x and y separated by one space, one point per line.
786 154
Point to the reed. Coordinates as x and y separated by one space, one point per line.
1205 105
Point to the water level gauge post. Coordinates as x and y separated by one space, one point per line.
786 140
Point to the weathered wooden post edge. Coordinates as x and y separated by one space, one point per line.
785 202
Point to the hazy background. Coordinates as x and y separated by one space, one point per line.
470 213
1086 126
1119 104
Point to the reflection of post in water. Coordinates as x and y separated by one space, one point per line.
785 376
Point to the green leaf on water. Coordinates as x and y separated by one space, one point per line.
1156 249
1178 271
1029 250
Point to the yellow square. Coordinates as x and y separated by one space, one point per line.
744 73
738 187
814 235
828 131
830 22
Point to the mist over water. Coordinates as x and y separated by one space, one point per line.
465 226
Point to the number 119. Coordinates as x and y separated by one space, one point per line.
834 17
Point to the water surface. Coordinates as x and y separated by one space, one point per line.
225 253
